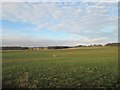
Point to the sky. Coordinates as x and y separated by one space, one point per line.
44 24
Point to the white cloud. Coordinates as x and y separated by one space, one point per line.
59 0
25 40
84 19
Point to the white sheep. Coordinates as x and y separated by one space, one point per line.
54 55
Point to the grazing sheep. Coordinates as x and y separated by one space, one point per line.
54 55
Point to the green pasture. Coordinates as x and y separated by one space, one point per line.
64 68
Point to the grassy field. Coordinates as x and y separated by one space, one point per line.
73 68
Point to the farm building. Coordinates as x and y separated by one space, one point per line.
37 48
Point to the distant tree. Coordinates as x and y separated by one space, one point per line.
112 44
14 48
79 46
57 47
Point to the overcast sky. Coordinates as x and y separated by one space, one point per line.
59 23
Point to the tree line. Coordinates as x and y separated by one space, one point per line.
54 47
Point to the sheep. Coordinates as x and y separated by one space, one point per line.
54 55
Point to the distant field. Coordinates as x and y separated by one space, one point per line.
73 68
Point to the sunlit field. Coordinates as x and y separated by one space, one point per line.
63 68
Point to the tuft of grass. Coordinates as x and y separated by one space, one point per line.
25 82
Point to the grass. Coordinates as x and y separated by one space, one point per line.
73 68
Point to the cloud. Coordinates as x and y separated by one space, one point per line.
25 40
86 19
59 1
